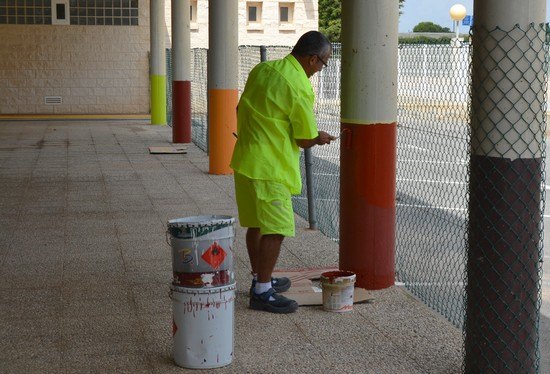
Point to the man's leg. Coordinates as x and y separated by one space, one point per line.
270 246
253 246
264 296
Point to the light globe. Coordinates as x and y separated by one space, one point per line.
458 12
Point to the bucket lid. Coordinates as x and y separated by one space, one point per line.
202 221
338 276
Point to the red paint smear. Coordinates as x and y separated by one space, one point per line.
331 275
174 328
220 278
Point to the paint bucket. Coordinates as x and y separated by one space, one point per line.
203 325
338 287
202 250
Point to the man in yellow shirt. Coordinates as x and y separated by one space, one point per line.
274 118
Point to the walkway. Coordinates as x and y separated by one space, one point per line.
85 269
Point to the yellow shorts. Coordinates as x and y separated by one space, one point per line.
264 204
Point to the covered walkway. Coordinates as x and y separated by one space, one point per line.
85 268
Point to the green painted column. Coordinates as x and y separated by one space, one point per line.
157 64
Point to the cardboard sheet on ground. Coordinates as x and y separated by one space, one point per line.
306 291
165 149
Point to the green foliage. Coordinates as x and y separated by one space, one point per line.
329 18
427 40
430 27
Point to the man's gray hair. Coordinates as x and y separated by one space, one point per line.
312 43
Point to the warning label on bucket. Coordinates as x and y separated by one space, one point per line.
214 255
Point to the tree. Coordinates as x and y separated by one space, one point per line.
329 18
430 27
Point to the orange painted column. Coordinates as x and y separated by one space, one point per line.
368 142
223 73
223 124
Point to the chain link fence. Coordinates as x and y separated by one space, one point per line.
432 173
504 266
433 165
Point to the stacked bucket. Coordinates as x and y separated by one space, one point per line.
202 290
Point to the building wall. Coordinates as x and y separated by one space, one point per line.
95 69
99 69
267 32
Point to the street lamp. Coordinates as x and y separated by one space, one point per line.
458 12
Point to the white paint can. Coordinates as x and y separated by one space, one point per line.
338 287
202 250
203 326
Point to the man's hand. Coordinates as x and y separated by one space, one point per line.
324 138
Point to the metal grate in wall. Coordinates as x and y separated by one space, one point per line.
104 12
26 12
82 12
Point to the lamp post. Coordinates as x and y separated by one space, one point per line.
457 12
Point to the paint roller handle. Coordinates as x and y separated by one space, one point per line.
339 135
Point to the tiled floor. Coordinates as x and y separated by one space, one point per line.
85 268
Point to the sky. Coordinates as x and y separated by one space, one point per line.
436 11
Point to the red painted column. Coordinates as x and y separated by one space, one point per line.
367 203
368 142
181 72
181 111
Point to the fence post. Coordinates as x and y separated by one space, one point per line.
309 190
308 163
263 53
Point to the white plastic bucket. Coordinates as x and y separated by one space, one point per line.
203 325
202 250
338 287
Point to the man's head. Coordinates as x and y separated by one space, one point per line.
313 51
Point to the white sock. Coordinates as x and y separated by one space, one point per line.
262 287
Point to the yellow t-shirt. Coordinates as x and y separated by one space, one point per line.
275 108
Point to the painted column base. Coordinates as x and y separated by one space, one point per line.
222 123
181 112
367 203
158 99
503 265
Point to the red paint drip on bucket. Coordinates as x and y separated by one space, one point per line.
332 275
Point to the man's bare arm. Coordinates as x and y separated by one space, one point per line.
322 138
